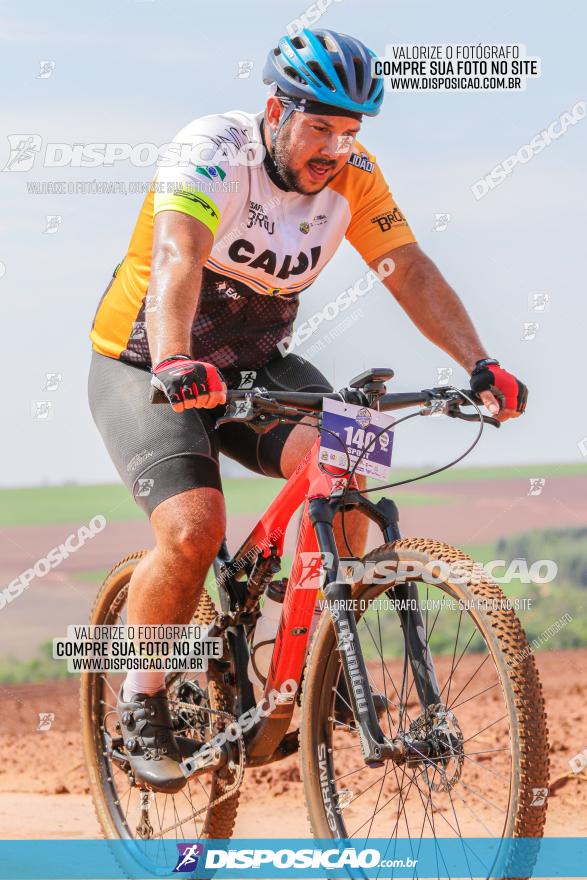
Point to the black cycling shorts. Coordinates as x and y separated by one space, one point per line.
159 453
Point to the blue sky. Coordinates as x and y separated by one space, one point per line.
139 71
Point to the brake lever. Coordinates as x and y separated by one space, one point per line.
237 411
474 418
470 417
243 410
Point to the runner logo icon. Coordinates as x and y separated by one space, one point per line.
188 855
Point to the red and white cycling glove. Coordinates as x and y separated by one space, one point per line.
184 380
512 394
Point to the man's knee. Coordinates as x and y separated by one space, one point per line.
191 525
297 444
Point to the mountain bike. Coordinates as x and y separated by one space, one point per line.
417 705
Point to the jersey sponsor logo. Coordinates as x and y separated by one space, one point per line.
386 221
362 161
225 288
319 220
198 200
258 217
243 251
211 172
232 135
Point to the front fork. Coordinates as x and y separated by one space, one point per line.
338 594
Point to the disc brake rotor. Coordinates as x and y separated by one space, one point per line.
438 726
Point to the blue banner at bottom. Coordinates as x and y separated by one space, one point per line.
467 857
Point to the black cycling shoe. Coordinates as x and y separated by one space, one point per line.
147 730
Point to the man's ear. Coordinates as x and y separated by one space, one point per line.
273 111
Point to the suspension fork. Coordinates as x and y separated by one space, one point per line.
338 594
411 622
419 655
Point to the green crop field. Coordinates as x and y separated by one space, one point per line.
46 505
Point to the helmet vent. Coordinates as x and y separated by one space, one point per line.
342 75
359 70
373 89
320 75
293 74
298 43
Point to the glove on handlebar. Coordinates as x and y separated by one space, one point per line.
183 379
511 393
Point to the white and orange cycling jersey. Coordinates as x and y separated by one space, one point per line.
270 244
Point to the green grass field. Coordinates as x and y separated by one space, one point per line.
45 505
564 596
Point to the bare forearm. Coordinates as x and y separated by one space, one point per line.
173 298
439 314
181 246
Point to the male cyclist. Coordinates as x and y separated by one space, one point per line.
206 298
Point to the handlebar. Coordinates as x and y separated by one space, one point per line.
289 403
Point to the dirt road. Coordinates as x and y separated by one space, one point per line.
43 790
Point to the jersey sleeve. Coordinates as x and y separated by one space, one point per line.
195 176
377 224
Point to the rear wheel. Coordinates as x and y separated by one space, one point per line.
206 807
487 770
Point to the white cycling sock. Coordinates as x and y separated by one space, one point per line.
143 682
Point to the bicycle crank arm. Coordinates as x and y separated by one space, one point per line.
206 759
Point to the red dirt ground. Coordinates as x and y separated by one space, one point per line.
43 791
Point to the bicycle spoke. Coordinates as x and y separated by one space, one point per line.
456 666
392 798
481 797
454 653
472 812
474 697
485 659
384 665
483 729
487 769
459 829
428 636
377 801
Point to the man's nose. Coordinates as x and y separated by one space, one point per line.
329 148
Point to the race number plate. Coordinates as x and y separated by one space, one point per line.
357 430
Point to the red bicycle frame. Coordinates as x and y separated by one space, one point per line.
316 489
307 482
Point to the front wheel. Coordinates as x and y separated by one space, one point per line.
487 770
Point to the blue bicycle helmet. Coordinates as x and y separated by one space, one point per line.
328 68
